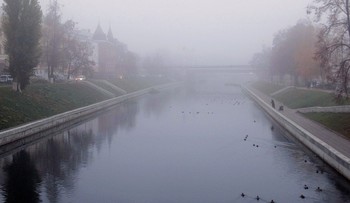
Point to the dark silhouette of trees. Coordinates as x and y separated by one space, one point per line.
22 29
333 49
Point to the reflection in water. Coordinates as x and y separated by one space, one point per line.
60 158
21 180
156 103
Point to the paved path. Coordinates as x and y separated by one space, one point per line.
335 140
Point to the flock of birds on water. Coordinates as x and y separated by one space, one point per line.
223 100
238 102
306 187
258 198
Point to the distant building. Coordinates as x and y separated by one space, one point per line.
107 54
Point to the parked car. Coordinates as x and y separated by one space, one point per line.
80 78
6 78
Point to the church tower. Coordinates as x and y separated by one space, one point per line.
99 34
110 36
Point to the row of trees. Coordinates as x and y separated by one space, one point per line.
61 47
31 38
306 52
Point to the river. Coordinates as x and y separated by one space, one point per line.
208 143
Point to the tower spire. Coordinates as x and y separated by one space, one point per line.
99 34
110 36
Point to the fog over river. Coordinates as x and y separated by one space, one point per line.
204 143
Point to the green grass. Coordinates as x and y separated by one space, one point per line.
339 122
137 83
301 98
266 87
40 101
101 84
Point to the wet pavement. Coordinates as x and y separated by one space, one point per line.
208 143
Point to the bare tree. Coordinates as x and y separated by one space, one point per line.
333 50
80 54
76 53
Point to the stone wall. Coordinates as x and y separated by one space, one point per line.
329 154
24 131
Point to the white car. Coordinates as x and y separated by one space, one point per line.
6 78
80 77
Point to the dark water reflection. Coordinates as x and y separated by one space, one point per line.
179 146
21 179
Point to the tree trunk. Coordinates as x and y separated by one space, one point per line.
16 86
68 75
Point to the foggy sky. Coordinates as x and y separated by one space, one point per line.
209 32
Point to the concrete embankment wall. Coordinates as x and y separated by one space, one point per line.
30 129
329 154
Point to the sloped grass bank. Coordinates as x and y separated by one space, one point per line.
133 84
101 84
266 87
339 122
301 98
43 100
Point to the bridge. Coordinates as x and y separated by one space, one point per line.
233 74
225 68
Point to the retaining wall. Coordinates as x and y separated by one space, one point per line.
30 129
329 154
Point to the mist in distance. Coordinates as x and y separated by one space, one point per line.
189 32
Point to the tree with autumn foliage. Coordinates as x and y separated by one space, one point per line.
304 37
293 54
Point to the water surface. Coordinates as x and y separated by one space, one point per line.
208 143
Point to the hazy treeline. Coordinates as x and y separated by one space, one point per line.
292 55
308 51
33 38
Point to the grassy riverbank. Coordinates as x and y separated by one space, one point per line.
339 122
300 98
43 100
40 101
295 98
266 87
134 84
